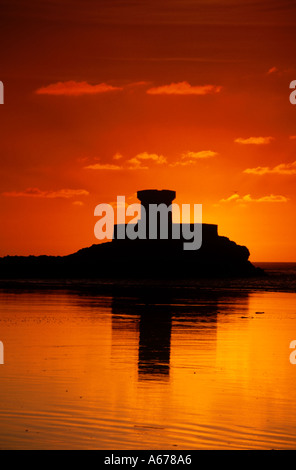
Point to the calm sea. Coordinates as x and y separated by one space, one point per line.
188 365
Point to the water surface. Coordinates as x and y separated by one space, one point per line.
207 371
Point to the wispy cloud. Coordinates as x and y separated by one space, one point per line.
272 70
103 166
201 154
190 158
118 205
233 197
184 88
139 162
277 72
117 156
255 140
78 203
136 163
143 161
281 169
248 198
38 193
73 88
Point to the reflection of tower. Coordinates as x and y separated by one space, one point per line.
154 196
153 324
145 318
148 317
155 343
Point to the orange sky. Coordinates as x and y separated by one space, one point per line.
107 98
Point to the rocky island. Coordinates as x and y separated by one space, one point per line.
217 256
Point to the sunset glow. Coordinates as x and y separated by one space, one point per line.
103 101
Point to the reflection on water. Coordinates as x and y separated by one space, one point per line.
154 369
153 334
154 345
153 323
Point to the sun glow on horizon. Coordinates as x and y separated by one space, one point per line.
131 101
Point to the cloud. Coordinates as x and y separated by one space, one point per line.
118 205
248 198
38 193
103 166
198 155
234 197
277 72
281 169
190 158
136 163
133 85
271 198
73 88
184 88
117 156
272 70
139 162
255 140
78 203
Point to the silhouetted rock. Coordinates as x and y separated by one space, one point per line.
150 259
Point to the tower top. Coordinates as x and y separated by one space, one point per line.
155 196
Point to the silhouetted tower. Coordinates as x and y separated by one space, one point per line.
155 196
